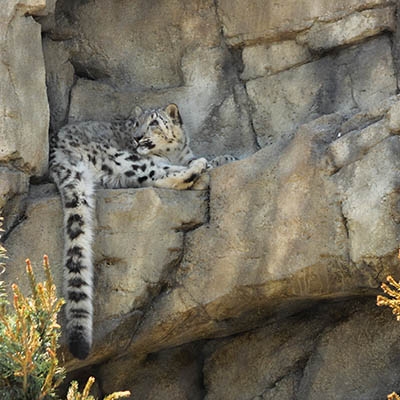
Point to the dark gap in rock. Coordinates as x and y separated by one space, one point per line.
86 72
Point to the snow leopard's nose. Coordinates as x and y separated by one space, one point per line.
138 138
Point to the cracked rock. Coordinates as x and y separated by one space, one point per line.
351 29
355 79
24 110
307 358
270 21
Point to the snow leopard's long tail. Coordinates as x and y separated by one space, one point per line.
76 186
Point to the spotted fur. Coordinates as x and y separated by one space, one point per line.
150 150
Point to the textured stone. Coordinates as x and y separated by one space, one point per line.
273 258
271 20
262 60
365 117
14 186
46 17
32 7
353 28
353 341
269 355
356 359
12 183
124 48
39 233
253 259
370 196
148 254
183 61
336 352
357 78
394 118
353 145
24 109
59 81
50 8
171 374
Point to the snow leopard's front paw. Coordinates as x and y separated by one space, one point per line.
220 160
198 166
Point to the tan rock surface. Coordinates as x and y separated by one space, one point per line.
307 357
124 47
59 80
262 60
356 78
139 242
271 20
24 112
351 29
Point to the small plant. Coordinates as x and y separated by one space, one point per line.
73 393
392 289
29 340
29 334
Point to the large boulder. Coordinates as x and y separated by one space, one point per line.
24 110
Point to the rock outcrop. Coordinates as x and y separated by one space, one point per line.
263 286
25 110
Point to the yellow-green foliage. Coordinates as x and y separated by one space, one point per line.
29 333
392 289
73 393
29 341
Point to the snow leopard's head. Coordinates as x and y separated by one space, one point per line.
161 132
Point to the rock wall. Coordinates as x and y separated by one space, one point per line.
262 287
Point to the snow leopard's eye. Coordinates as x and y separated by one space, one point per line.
154 123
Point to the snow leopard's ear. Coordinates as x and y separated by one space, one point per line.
173 112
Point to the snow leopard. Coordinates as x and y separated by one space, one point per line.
150 149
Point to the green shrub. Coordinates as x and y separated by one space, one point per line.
29 334
29 340
392 300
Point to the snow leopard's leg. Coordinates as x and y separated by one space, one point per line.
76 186
181 178
130 170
